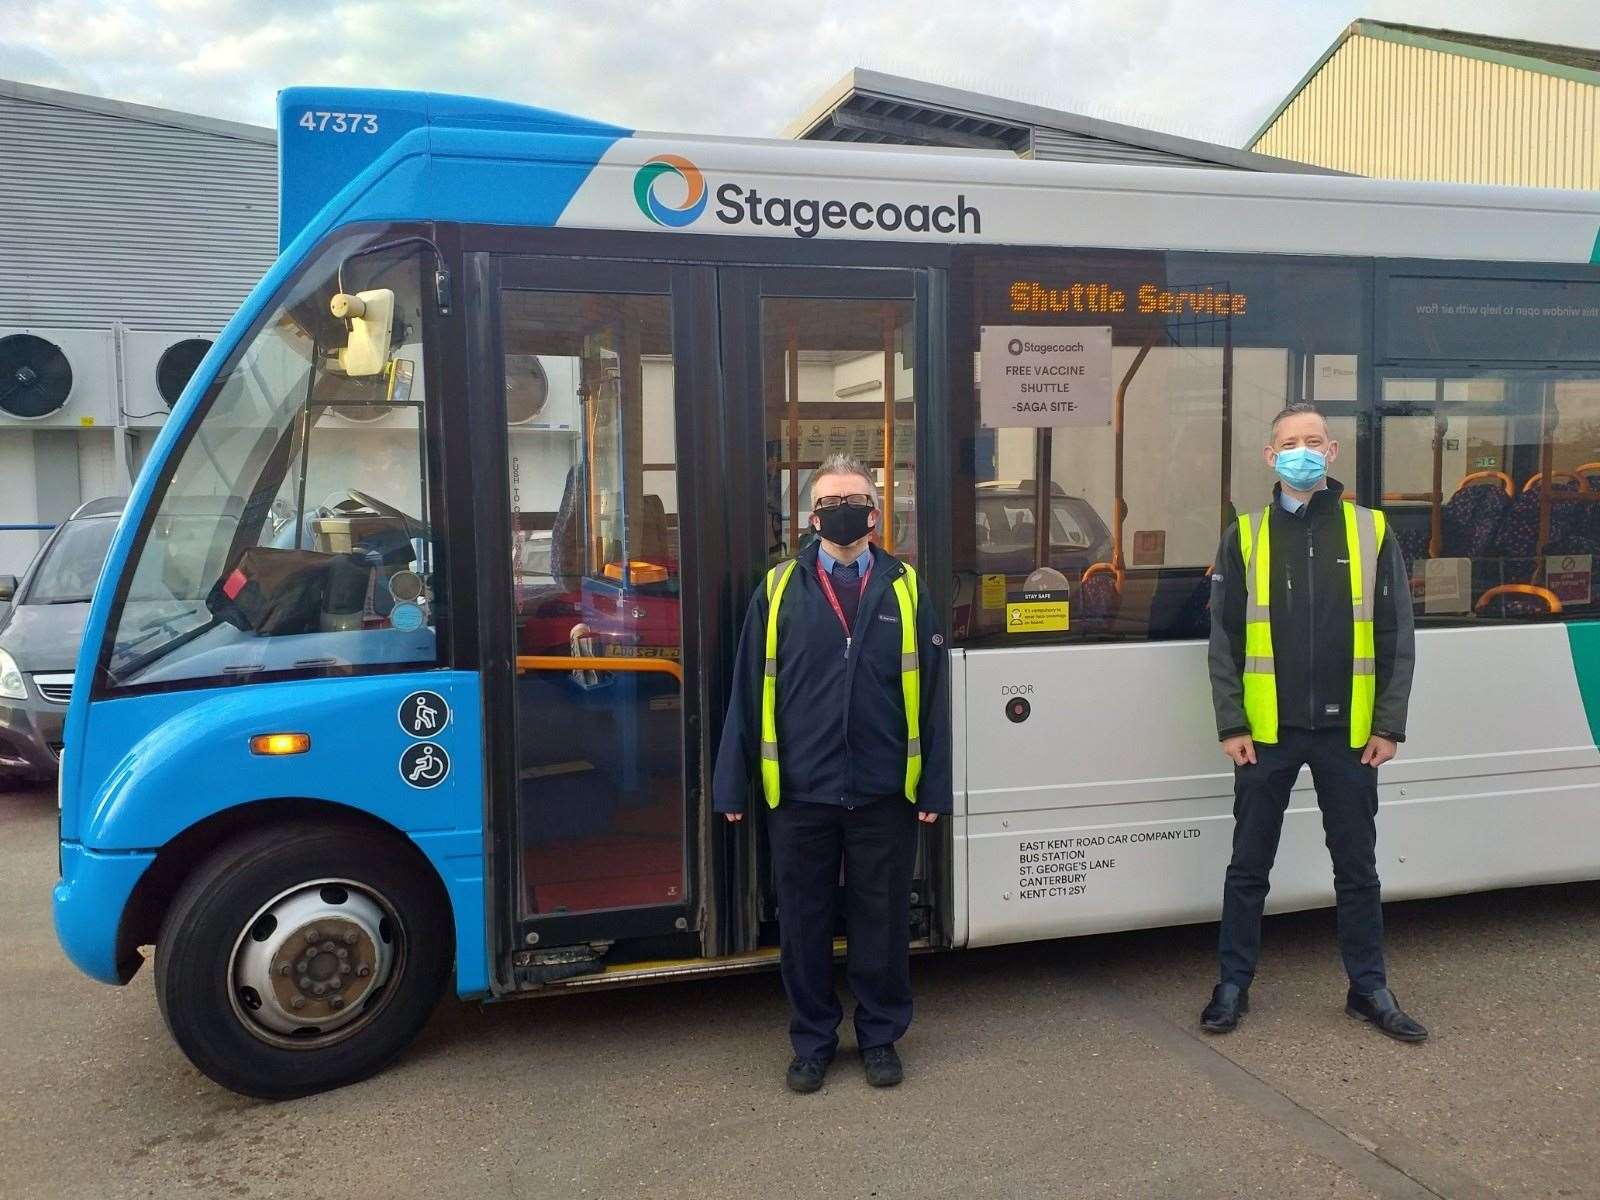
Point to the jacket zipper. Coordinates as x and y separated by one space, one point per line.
849 685
1311 617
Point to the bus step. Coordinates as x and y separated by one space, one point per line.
535 968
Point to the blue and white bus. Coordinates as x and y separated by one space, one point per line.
413 644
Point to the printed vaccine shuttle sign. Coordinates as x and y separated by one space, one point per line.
1038 376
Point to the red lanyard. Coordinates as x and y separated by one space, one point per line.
833 600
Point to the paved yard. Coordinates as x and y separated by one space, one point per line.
1066 1069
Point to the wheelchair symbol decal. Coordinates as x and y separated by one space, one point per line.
424 714
424 765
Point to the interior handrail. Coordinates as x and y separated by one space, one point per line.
1520 589
1480 476
560 662
1533 480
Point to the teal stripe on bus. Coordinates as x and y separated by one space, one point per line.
1584 638
1594 255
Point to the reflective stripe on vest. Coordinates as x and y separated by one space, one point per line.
905 591
1364 530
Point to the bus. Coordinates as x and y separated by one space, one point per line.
413 643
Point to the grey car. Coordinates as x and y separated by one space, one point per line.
41 626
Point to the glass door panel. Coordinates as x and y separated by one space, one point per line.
592 457
838 378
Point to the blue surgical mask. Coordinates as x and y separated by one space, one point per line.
1301 468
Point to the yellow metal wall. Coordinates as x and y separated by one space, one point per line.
1394 111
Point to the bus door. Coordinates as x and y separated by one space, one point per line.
816 361
599 405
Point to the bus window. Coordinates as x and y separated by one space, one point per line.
293 531
1491 483
1205 350
593 471
838 379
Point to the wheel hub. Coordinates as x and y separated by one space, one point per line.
311 960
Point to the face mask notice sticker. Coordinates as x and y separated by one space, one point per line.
1038 612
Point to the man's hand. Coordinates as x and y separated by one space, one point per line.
927 818
734 817
1379 751
1241 749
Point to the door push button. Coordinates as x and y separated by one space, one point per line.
1017 710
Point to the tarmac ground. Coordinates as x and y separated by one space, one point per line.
1058 1069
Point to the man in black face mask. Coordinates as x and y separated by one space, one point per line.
840 708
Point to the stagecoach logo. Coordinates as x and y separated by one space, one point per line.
803 216
662 212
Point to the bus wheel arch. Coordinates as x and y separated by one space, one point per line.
300 955
183 854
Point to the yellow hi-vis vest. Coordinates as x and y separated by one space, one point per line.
1363 535
905 590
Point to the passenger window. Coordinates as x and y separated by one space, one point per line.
1204 351
1491 484
294 533
838 379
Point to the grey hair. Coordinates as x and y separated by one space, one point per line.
1297 409
845 464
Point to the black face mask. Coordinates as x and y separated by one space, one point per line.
844 524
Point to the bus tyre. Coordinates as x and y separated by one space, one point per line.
299 959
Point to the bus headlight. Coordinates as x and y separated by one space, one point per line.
11 686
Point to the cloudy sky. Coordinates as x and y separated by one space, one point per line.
1207 70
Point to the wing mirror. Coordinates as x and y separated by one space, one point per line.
370 318
8 588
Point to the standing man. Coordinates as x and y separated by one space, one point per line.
1311 659
839 704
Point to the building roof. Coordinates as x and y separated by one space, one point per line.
869 106
136 112
1544 58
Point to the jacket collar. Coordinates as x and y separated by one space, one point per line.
1322 501
886 568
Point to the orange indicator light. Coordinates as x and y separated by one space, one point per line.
280 743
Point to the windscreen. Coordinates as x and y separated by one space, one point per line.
295 516
72 564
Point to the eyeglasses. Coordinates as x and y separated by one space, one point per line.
856 501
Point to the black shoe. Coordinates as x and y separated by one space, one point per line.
882 1066
806 1074
1381 1008
1229 1002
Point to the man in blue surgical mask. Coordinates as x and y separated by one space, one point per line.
1311 662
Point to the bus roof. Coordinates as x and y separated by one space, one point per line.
349 155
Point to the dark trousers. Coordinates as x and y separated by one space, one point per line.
1347 794
877 845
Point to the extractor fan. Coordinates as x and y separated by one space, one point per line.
177 363
35 377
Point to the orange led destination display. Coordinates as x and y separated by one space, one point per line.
1089 296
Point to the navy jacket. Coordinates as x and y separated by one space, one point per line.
841 723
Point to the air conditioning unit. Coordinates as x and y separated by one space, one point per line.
155 368
542 391
57 378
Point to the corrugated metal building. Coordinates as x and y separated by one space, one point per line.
1404 102
125 231
868 106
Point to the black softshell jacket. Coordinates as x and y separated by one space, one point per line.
841 722
1312 630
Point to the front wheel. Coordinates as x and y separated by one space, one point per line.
300 959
